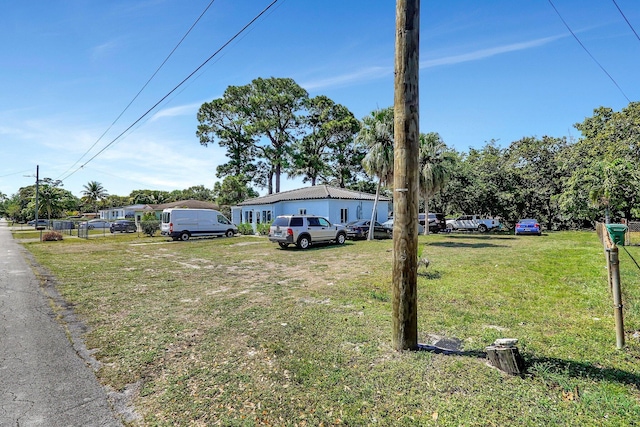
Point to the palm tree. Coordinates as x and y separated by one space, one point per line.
51 200
377 135
93 192
435 168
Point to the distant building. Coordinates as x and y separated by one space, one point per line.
136 212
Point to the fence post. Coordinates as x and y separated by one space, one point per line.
617 295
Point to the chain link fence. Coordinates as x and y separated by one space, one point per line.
633 233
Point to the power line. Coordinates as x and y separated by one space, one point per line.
625 18
143 87
176 87
589 53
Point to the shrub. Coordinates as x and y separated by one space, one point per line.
263 228
150 227
51 236
245 228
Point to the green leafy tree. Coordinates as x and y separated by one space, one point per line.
597 165
150 197
256 122
326 151
233 190
197 192
376 134
538 176
275 106
114 201
226 122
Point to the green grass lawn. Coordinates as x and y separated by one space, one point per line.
239 332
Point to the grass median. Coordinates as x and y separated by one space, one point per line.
236 331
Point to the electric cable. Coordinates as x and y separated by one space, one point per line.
625 18
589 53
143 87
632 258
175 88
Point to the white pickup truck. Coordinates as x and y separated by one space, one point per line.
473 223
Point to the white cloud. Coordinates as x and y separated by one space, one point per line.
181 110
103 50
487 53
367 74
377 72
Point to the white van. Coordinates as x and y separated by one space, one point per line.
182 224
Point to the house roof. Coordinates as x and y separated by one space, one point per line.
314 192
190 204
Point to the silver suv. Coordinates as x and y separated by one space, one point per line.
305 230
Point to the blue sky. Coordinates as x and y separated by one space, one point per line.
490 70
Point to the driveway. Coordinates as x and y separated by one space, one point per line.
43 380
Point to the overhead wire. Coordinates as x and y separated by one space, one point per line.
625 18
143 87
587 50
219 58
242 30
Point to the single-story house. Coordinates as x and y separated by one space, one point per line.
121 212
339 205
135 212
188 204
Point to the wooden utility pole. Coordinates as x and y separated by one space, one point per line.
405 182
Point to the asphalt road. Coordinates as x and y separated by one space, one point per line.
43 379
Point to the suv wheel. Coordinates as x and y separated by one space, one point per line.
304 242
341 238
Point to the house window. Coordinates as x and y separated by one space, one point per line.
248 216
344 216
266 216
302 212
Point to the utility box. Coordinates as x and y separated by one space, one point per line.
617 232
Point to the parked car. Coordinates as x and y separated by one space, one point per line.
305 230
95 223
360 230
528 226
437 222
473 223
388 225
41 223
123 226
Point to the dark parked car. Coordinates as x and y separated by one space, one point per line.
528 226
123 226
360 230
41 223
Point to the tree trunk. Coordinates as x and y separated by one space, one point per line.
278 172
373 211
405 183
426 215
